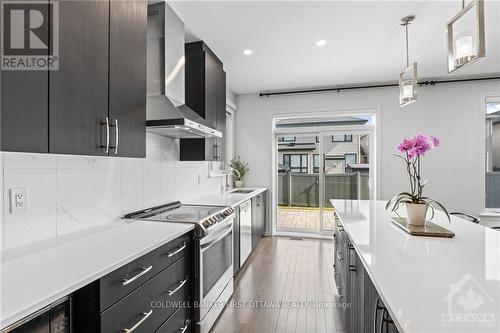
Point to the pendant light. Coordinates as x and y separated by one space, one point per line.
465 34
408 77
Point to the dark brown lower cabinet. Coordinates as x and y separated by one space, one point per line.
153 300
364 310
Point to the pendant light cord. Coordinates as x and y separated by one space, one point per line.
463 4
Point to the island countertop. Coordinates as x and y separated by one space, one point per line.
428 284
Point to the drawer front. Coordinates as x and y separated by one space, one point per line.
180 321
125 279
150 305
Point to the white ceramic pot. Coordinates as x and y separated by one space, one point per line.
416 213
238 183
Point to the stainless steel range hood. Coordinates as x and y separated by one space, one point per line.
167 114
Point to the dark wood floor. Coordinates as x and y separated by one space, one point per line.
283 269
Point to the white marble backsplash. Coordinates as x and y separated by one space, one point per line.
67 192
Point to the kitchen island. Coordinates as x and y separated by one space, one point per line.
427 284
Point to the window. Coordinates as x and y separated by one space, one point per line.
342 138
492 158
286 139
334 164
350 159
296 162
316 163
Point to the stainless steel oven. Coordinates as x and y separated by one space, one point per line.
214 276
213 254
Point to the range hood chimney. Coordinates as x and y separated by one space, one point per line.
166 111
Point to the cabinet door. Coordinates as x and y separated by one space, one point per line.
127 76
236 240
221 114
78 91
262 213
24 110
212 68
255 223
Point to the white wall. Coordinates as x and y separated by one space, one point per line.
68 193
449 111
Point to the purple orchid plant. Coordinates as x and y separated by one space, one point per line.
412 151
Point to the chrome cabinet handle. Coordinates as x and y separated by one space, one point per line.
339 257
145 316
182 247
144 271
181 283
116 136
107 135
186 324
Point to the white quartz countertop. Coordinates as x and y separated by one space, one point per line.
34 276
227 198
428 284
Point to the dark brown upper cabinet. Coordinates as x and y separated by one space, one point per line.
78 91
127 76
206 94
24 109
95 103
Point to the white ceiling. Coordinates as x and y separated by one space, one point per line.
365 41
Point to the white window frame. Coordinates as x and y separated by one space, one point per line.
482 157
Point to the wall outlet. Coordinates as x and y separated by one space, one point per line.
18 200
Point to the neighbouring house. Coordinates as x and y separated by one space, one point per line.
344 153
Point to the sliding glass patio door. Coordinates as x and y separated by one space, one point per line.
298 184
346 170
315 167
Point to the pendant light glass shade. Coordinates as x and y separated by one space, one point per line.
465 34
408 77
408 85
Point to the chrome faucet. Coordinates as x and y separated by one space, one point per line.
227 172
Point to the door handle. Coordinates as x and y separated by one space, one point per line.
186 324
106 123
144 271
179 249
116 136
145 316
181 283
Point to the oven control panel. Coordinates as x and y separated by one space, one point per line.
212 220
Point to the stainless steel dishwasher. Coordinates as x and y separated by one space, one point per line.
245 230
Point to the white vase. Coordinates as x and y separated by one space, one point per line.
416 213
238 183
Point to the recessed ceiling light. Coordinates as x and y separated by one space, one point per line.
247 52
321 43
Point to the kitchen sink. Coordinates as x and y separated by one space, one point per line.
242 191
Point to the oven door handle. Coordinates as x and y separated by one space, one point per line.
212 242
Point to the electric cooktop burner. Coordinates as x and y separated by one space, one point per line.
205 218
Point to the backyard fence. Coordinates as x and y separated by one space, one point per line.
493 189
302 189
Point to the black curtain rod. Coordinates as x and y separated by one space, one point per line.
339 89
